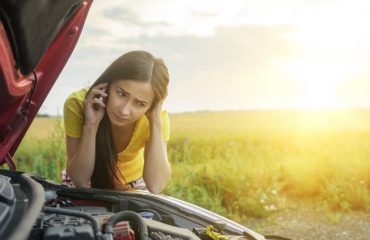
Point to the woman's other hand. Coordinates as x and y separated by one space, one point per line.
94 104
157 170
154 113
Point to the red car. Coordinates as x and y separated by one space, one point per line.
36 39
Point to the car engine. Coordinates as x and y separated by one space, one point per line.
32 207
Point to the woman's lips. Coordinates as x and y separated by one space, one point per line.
121 118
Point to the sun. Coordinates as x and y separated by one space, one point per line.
317 82
317 95
324 61
317 86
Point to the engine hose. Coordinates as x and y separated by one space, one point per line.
67 212
128 216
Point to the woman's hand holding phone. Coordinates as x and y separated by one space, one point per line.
94 105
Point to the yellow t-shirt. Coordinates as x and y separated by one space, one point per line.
130 160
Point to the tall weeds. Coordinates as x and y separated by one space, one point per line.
248 164
45 156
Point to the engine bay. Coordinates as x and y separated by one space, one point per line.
32 207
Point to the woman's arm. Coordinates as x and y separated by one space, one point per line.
81 151
81 157
157 169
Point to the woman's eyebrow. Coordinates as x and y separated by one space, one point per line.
142 101
123 90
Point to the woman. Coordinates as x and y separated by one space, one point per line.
116 131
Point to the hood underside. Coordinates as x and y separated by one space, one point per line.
37 38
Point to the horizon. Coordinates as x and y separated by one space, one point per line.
300 110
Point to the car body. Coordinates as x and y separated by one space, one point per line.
33 52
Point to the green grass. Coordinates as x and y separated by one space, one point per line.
43 149
248 163
251 163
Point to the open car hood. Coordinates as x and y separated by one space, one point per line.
37 38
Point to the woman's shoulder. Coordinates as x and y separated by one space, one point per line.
78 95
75 100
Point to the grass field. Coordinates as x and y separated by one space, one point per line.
247 163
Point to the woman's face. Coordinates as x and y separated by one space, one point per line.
128 100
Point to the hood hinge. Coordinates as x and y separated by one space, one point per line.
17 124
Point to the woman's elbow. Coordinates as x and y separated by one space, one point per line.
77 181
80 184
157 186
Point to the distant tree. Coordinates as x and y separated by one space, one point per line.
45 115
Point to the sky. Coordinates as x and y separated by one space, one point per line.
232 55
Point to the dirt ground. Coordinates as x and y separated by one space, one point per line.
302 221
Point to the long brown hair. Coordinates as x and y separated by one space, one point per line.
139 66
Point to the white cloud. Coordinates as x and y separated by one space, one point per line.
258 42
112 23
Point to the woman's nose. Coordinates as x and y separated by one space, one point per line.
125 109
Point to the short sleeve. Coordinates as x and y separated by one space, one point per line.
73 114
165 125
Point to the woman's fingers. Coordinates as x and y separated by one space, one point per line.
99 101
95 103
158 108
155 112
97 95
98 91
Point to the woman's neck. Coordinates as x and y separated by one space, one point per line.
122 136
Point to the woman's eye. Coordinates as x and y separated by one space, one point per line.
141 104
121 94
